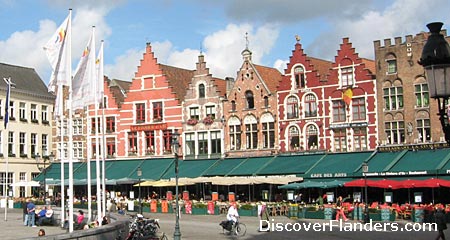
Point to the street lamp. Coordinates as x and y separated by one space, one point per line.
365 170
139 174
175 147
436 61
41 165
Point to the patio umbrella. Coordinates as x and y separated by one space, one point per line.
433 183
26 184
408 183
386 183
359 183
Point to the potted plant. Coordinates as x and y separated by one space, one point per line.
192 121
208 120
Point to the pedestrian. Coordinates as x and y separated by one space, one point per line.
31 214
25 212
41 232
340 209
441 223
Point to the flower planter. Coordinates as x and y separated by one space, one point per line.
199 211
314 214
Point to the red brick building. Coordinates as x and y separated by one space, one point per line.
328 106
251 111
151 110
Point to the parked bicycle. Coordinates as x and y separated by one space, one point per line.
144 229
236 228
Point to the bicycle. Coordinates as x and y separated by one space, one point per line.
237 228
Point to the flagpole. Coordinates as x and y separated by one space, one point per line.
97 126
7 109
70 145
89 177
102 93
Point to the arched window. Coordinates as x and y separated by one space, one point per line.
268 130
234 125
250 100
313 138
292 107
201 90
299 73
294 139
251 132
310 105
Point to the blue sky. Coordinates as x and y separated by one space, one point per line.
178 30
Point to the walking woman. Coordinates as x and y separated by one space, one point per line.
340 209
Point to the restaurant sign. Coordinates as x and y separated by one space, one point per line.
400 173
149 127
327 175
349 125
413 147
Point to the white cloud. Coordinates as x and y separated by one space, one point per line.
403 17
124 65
25 48
281 65
222 50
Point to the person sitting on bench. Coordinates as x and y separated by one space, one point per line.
47 218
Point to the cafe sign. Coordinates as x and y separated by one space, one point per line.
149 127
327 175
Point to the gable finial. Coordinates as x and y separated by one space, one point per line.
297 38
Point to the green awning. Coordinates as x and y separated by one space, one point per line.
123 169
337 165
224 166
189 168
154 169
380 161
54 171
250 166
285 165
423 162
81 172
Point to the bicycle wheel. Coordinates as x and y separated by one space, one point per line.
241 229
164 237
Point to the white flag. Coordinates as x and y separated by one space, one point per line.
57 54
85 78
99 68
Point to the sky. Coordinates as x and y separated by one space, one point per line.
179 30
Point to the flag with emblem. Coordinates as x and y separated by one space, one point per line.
347 96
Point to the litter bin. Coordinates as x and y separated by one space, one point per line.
293 211
418 214
328 211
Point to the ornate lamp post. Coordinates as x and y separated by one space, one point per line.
139 174
436 62
365 170
175 147
42 166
